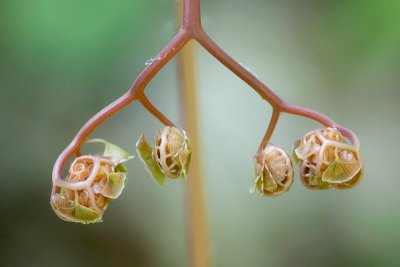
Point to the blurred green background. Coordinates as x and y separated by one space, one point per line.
62 61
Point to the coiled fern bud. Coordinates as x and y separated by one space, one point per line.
273 171
170 156
93 181
327 161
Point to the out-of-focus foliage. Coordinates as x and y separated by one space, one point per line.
62 61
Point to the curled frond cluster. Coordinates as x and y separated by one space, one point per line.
93 181
327 161
170 156
273 171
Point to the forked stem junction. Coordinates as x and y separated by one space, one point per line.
191 29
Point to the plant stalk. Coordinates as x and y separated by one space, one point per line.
196 232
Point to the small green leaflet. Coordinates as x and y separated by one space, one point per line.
74 212
145 153
115 185
184 159
341 171
86 215
120 168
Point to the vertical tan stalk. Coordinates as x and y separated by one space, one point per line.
195 208
197 234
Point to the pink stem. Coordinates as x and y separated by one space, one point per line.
153 110
321 118
264 91
191 29
238 69
271 127
308 113
134 93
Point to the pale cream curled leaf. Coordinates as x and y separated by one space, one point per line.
97 187
175 146
117 154
63 207
295 158
303 151
186 143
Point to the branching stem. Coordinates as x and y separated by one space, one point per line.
191 29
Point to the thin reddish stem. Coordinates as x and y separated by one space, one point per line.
309 113
153 110
321 118
271 127
191 18
191 28
238 69
264 91
134 93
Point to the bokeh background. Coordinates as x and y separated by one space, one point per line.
62 61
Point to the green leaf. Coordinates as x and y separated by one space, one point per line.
143 148
341 171
115 185
86 215
145 153
120 168
117 154
73 212
322 185
268 183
